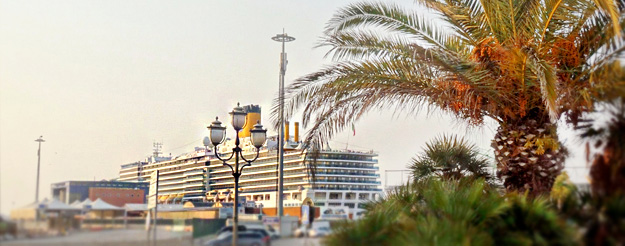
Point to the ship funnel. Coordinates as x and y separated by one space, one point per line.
253 116
296 132
286 131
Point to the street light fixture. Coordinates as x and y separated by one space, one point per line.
217 136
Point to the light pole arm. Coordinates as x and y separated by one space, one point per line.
249 162
224 160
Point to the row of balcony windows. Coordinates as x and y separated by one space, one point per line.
257 176
346 180
255 167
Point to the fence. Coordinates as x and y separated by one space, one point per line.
205 227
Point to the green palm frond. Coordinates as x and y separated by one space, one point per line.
388 17
546 75
450 157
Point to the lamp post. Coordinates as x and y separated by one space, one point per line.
217 136
283 38
40 140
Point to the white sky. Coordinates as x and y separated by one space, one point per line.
101 80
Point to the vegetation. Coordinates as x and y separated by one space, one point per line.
455 212
608 165
450 157
522 63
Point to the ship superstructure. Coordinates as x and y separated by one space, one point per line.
342 178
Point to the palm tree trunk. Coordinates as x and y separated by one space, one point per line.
529 156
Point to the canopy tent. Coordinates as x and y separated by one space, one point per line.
29 211
56 205
102 209
102 205
135 207
84 205
43 207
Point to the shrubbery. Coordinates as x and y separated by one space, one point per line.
456 212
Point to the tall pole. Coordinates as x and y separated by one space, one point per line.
281 139
283 38
155 210
40 140
237 174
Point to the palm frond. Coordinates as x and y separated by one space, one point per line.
450 157
387 17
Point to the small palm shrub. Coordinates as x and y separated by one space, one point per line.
450 157
455 212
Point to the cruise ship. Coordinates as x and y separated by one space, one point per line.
344 180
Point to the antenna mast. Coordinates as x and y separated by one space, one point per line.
157 149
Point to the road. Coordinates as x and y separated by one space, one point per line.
135 237
297 241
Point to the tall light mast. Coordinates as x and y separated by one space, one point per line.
40 140
283 38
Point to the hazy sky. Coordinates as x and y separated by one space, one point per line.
102 80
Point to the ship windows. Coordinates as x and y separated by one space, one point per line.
297 196
363 196
350 196
335 196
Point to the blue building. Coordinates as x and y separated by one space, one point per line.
70 191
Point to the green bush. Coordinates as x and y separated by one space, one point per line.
455 212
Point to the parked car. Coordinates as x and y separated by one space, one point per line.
319 232
246 238
272 232
252 228
302 231
259 228
229 229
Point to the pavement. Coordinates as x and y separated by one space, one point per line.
136 237
130 237
297 242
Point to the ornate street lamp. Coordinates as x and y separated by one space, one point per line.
217 136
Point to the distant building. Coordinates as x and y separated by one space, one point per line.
117 196
70 191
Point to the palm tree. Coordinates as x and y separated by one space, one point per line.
522 63
450 157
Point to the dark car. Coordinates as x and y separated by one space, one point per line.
242 228
246 238
266 236
229 228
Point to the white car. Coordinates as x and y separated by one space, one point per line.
274 234
302 231
319 232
